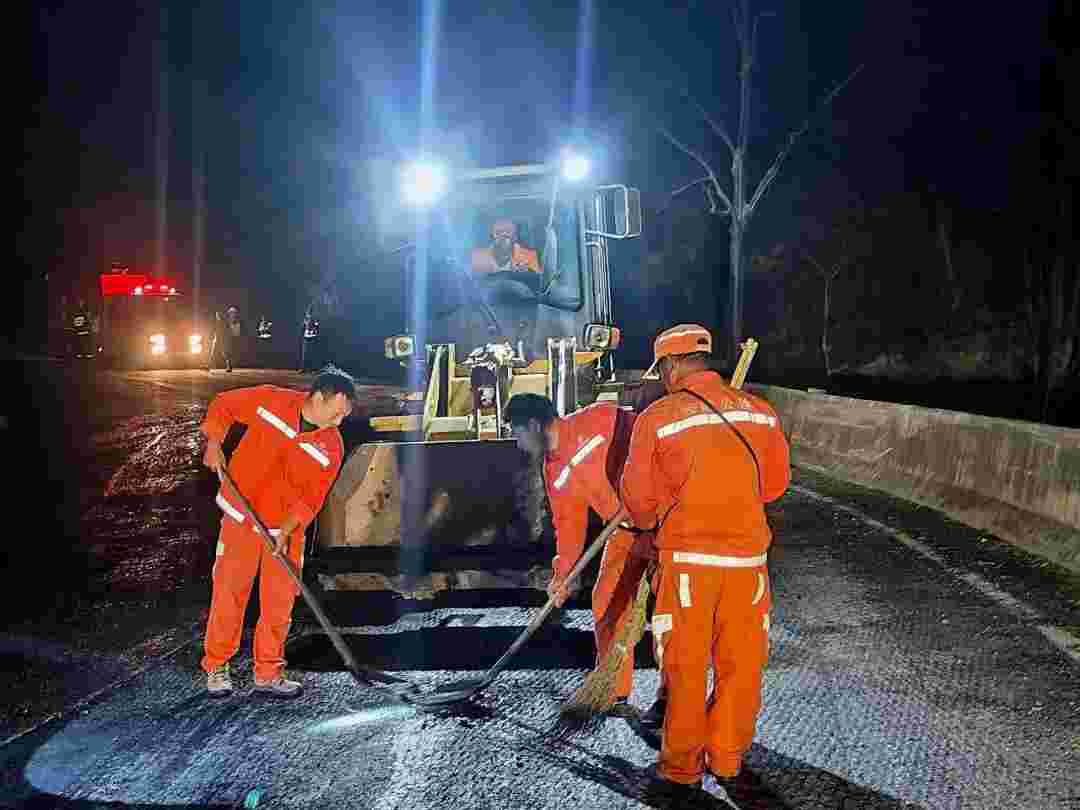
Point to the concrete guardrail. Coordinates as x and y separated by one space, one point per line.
1017 480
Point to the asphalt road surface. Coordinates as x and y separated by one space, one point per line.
914 662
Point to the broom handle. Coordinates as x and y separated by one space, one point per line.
538 620
309 597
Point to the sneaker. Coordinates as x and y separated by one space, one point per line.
219 682
279 687
654 716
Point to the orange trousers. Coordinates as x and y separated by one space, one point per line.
241 554
709 614
612 597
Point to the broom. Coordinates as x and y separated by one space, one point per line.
584 712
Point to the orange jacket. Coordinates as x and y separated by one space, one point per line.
583 473
278 469
522 258
688 470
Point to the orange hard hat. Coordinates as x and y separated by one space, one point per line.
683 338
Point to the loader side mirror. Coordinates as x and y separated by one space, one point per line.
615 213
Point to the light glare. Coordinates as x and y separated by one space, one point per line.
423 183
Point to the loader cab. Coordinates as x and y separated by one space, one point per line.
520 309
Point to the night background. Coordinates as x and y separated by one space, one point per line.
909 266
937 184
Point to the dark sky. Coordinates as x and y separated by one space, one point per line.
303 109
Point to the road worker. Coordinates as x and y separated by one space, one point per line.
284 466
583 455
505 253
703 461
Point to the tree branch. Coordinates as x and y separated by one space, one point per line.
712 175
774 169
718 128
691 184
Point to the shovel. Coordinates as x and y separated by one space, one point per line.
451 693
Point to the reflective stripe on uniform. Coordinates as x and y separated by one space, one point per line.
229 509
578 457
718 561
315 453
661 623
714 419
760 592
684 590
238 516
276 421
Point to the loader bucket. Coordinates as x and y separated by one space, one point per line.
420 517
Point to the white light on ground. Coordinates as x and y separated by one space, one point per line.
377 714
423 183
575 167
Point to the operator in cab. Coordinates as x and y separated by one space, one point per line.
505 253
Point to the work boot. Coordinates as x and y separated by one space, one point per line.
219 682
279 687
660 787
654 716
743 786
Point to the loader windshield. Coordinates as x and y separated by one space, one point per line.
500 248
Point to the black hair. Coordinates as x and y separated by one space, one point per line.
332 380
523 407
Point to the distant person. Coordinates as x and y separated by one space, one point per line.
263 330
82 328
505 253
309 337
284 466
221 343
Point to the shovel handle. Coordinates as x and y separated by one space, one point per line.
539 618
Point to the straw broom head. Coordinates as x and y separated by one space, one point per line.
584 712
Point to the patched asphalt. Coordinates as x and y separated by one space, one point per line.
896 679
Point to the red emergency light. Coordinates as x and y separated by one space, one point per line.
113 284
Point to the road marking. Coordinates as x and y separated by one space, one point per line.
1063 640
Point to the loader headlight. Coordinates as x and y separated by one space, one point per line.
602 338
157 344
423 183
195 344
575 166
399 346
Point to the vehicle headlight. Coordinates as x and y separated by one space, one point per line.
398 346
195 344
600 337
157 344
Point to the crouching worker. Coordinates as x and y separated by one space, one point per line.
284 467
583 457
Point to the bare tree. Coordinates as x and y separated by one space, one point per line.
1052 296
833 249
738 200
945 242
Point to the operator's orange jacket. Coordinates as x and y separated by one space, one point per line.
690 473
583 473
522 258
278 469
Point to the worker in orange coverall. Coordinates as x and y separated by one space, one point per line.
583 455
703 462
284 467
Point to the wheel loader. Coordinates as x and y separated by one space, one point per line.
444 500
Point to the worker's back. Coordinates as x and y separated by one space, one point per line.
709 492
